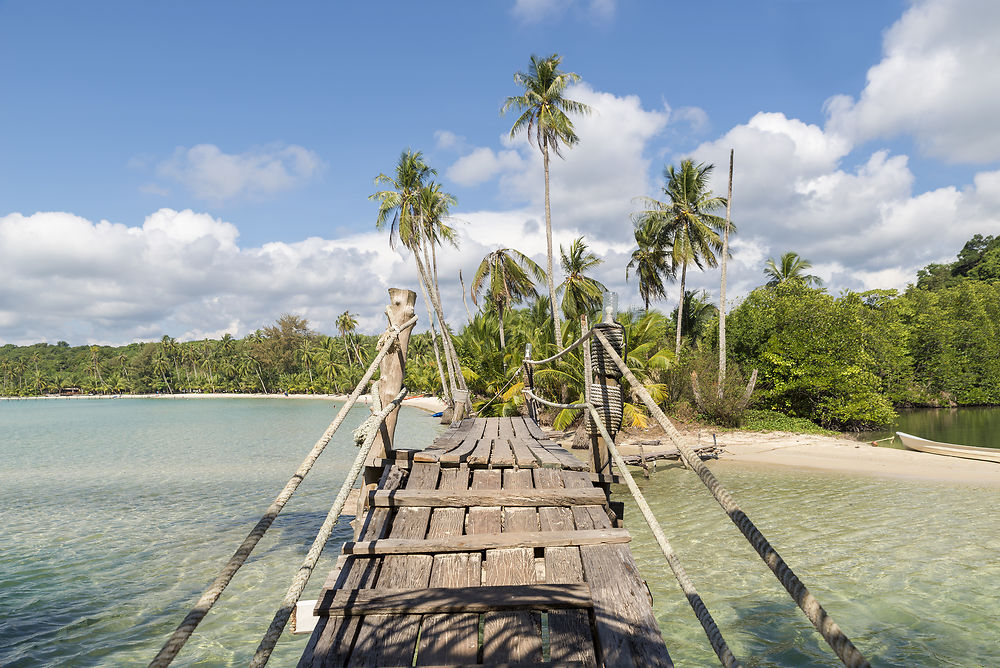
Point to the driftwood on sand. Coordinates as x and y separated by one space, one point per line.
704 452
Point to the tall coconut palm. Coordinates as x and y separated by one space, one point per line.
651 261
504 275
346 323
791 267
544 117
688 222
581 293
400 208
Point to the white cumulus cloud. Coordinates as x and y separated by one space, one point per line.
937 81
260 172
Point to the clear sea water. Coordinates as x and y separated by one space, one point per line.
115 514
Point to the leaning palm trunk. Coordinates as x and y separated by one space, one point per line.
422 271
434 342
445 333
680 308
557 326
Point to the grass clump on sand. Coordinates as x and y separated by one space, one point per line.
775 421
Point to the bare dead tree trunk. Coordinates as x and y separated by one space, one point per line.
468 314
680 307
556 324
722 290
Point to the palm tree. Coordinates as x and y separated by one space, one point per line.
402 208
581 294
504 276
544 117
687 222
651 261
161 364
346 324
305 354
791 268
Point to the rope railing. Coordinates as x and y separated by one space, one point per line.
208 598
711 629
815 612
301 579
565 351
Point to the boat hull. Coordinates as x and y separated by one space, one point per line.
949 449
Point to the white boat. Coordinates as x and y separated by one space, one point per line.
950 449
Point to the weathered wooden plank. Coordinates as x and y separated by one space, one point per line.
492 430
502 454
513 636
505 430
521 519
332 639
523 454
488 519
520 429
480 454
391 639
347 602
545 458
480 542
476 497
449 638
449 440
628 630
461 452
570 634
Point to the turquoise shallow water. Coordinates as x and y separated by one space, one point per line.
117 513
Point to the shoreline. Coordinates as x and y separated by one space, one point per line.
423 402
813 453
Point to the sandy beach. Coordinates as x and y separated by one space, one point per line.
831 454
423 402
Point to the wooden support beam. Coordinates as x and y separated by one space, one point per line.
585 496
479 542
353 602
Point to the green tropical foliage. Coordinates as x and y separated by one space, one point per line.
651 261
686 221
505 276
791 267
544 116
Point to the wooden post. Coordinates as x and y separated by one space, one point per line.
529 383
392 369
461 405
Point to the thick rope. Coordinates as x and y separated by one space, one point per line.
694 599
284 611
827 628
562 352
180 636
502 390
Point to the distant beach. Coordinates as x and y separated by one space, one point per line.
423 402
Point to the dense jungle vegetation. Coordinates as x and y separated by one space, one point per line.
843 361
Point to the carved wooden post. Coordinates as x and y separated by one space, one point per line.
392 369
604 391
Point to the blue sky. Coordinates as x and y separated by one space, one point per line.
229 148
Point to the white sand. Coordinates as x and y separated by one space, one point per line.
834 454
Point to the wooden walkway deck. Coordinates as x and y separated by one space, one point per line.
491 547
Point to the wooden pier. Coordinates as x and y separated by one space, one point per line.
493 546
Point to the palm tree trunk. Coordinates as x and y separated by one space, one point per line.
436 294
468 314
503 339
421 270
680 307
556 324
260 378
434 342
449 345
722 290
